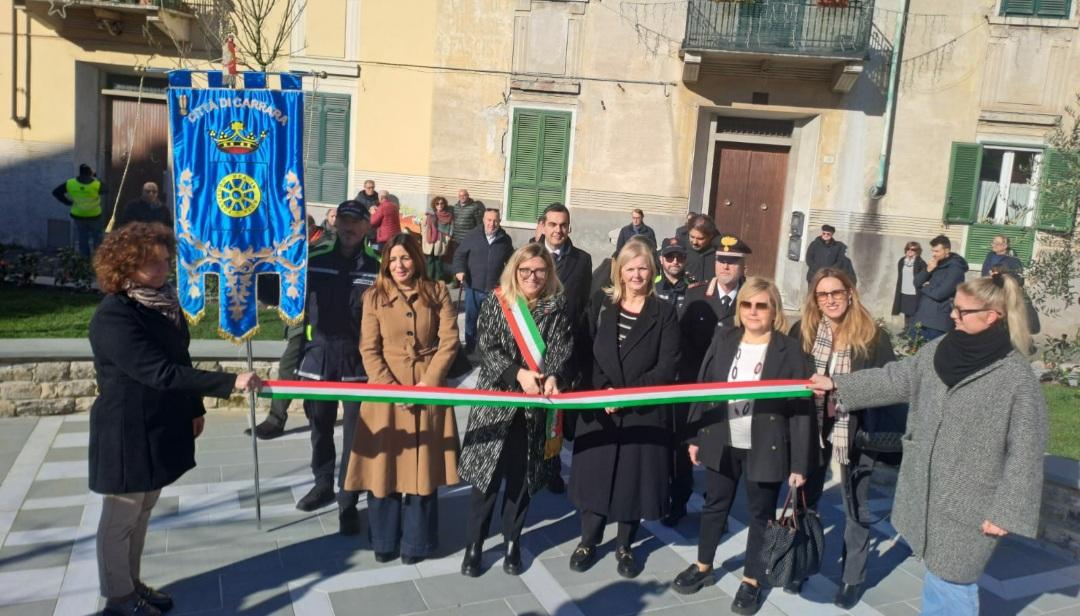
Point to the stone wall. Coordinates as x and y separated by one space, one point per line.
63 387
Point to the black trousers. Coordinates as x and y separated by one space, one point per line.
855 487
513 468
682 470
290 359
323 415
408 522
592 530
720 486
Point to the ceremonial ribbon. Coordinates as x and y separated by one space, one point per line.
577 400
532 347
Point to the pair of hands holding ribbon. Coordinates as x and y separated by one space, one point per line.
533 382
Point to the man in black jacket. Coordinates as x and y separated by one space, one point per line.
637 226
478 263
826 251
672 282
338 276
711 305
147 208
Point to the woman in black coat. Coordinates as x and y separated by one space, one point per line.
622 457
765 442
839 336
149 409
906 296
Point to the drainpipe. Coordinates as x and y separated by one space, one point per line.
878 190
21 121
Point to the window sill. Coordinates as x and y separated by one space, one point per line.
1035 22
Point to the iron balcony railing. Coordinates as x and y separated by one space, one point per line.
183 6
825 28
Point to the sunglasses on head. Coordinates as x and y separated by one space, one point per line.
760 306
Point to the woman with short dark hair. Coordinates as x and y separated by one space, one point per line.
149 408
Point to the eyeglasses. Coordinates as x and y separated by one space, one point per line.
526 273
838 295
962 312
673 257
759 306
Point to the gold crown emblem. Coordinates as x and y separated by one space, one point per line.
237 141
728 242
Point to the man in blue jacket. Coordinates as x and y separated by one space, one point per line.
937 286
478 263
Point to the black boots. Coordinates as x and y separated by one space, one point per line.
512 560
470 566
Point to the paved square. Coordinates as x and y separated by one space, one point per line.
204 548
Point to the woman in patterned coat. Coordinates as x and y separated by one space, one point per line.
509 443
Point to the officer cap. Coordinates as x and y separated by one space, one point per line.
731 246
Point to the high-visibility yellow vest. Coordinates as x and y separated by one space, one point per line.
85 198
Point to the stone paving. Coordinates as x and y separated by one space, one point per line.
204 548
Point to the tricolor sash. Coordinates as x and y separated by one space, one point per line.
532 347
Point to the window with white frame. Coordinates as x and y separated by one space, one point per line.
1008 185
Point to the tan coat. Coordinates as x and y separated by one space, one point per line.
398 448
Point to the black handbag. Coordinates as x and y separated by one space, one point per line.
879 442
794 544
461 364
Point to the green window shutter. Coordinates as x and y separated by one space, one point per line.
538 162
961 196
1052 8
326 147
1056 210
1021 240
1018 7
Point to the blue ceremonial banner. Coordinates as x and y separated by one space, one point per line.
238 177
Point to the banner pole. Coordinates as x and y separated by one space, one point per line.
254 440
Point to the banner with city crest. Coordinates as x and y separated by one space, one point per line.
239 206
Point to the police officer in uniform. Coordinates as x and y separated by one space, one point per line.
673 282
338 276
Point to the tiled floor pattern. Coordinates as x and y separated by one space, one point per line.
204 548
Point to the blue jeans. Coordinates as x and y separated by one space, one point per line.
944 598
474 298
87 231
927 333
406 521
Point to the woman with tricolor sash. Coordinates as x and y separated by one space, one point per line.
525 342
622 456
402 453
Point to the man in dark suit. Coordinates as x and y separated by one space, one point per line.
636 227
478 263
574 267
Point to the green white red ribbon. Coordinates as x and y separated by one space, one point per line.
579 400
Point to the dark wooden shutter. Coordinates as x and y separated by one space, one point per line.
1017 7
312 147
538 162
961 196
326 147
1052 8
1056 210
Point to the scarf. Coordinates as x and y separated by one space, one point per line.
959 355
161 300
437 223
828 405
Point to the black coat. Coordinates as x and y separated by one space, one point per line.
627 233
782 433
936 291
482 263
141 436
621 461
702 315
144 211
820 255
701 266
574 268
918 267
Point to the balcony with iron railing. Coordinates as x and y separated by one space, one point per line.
108 23
827 29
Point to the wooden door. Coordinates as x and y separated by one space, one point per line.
144 133
748 198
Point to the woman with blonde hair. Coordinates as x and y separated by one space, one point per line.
765 442
976 433
518 446
622 457
402 453
840 336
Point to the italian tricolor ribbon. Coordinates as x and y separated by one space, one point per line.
531 344
572 401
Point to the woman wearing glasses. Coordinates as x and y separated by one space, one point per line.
765 442
839 336
977 429
514 445
906 295
622 457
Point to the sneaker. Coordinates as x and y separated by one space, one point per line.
349 521
154 597
692 580
266 430
134 606
628 566
318 497
747 599
583 557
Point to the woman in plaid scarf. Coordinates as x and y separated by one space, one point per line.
840 336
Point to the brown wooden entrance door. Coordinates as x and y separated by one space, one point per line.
144 134
748 198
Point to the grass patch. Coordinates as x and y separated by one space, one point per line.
1064 407
44 312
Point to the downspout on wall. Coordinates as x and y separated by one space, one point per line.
878 190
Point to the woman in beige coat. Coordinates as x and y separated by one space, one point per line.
401 454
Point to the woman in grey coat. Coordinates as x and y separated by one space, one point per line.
976 433
503 443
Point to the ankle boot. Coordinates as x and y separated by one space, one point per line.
512 560
470 566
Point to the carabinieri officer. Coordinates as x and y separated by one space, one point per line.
338 276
